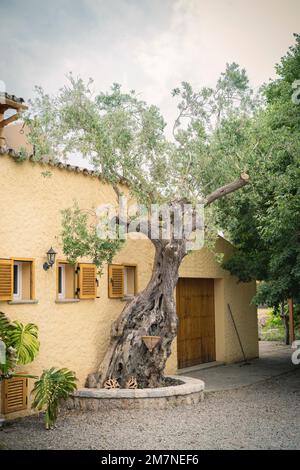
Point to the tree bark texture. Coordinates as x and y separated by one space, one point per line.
150 313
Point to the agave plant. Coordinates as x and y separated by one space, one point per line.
21 343
53 386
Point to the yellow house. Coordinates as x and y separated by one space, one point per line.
73 312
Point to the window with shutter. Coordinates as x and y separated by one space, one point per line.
24 279
65 281
14 394
129 280
115 281
87 281
6 279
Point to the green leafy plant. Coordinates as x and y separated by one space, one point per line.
124 139
24 338
21 347
4 326
80 238
53 386
21 342
263 221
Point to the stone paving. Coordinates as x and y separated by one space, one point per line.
264 414
274 359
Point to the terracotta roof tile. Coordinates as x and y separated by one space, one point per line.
11 97
47 161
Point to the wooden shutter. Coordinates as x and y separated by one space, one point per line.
14 394
115 281
87 281
6 279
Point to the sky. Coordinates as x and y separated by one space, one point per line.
147 45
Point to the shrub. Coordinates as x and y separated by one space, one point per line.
53 386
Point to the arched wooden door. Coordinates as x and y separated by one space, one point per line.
196 313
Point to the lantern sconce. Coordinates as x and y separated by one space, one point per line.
51 254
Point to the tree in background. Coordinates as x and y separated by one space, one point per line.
263 221
125 140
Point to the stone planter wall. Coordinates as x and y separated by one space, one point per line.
93 399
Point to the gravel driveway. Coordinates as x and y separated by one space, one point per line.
261 416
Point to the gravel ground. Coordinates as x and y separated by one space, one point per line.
261 416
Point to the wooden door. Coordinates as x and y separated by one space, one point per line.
196 313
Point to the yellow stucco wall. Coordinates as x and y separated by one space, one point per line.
76 335
228 290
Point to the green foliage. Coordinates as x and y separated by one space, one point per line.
231 98
271 332
21 341
7 369
22 346
275 320
116 131
263 221
125 138
53 386
80 238
24 339
272 328
5 324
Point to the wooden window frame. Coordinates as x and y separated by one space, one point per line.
8 262
123 265
79 271
19 261
60 297
5 408
111 295
17 295
132 265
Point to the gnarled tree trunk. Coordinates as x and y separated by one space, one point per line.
150 313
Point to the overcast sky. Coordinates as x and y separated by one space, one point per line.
147 45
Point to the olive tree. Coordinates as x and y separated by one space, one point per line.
126 141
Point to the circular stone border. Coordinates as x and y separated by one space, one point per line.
94 399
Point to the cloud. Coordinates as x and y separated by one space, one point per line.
147 45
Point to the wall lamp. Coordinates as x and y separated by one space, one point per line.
51 254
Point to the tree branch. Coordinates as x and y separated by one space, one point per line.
227 189
138 227
8 120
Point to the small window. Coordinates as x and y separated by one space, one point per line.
87 281
17 280
23 280
61 281
122 281
14 394
65 281
6 279
129 280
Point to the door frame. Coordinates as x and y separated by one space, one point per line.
213 352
